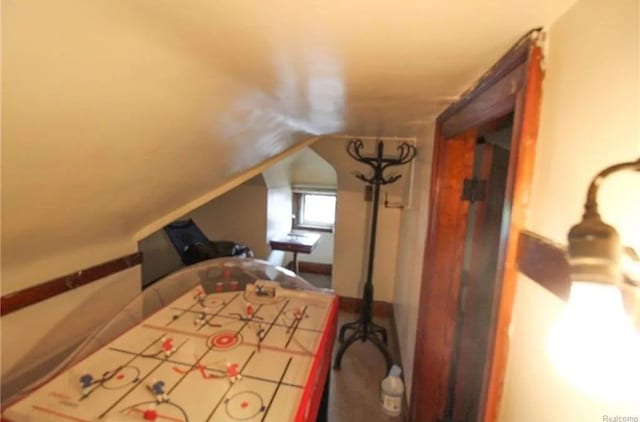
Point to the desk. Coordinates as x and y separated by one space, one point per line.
296 243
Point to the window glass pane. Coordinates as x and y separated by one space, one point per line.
319 210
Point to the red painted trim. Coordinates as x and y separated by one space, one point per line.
314 386
31 295
59 414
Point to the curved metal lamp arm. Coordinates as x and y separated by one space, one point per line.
591 205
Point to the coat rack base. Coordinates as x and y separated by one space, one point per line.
363 330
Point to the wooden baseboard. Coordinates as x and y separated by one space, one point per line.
315 268
379 308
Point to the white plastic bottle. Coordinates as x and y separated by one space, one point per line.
391 391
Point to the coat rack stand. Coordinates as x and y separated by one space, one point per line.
364 328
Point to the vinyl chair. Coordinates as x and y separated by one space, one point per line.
193 245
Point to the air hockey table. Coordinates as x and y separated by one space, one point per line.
225 340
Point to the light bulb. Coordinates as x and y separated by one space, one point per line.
594 344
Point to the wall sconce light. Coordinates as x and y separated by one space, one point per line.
594 246
595 344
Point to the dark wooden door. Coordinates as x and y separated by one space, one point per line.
443 257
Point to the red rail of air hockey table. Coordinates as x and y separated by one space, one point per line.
318 379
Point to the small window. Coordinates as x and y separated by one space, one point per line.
314 210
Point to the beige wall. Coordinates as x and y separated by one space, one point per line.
589 121
352 247
32 335
310 169
412 236
278 206
323 253
134 123
278 220
160 257
238 215
252 213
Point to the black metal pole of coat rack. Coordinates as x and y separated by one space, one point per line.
364 328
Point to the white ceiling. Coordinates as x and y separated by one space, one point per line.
116 113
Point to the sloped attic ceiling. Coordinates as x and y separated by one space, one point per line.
118 114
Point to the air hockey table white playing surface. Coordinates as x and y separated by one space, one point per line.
231 355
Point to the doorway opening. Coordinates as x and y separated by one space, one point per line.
478 284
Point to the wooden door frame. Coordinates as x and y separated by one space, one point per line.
512 85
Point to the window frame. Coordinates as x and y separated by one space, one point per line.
298 195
